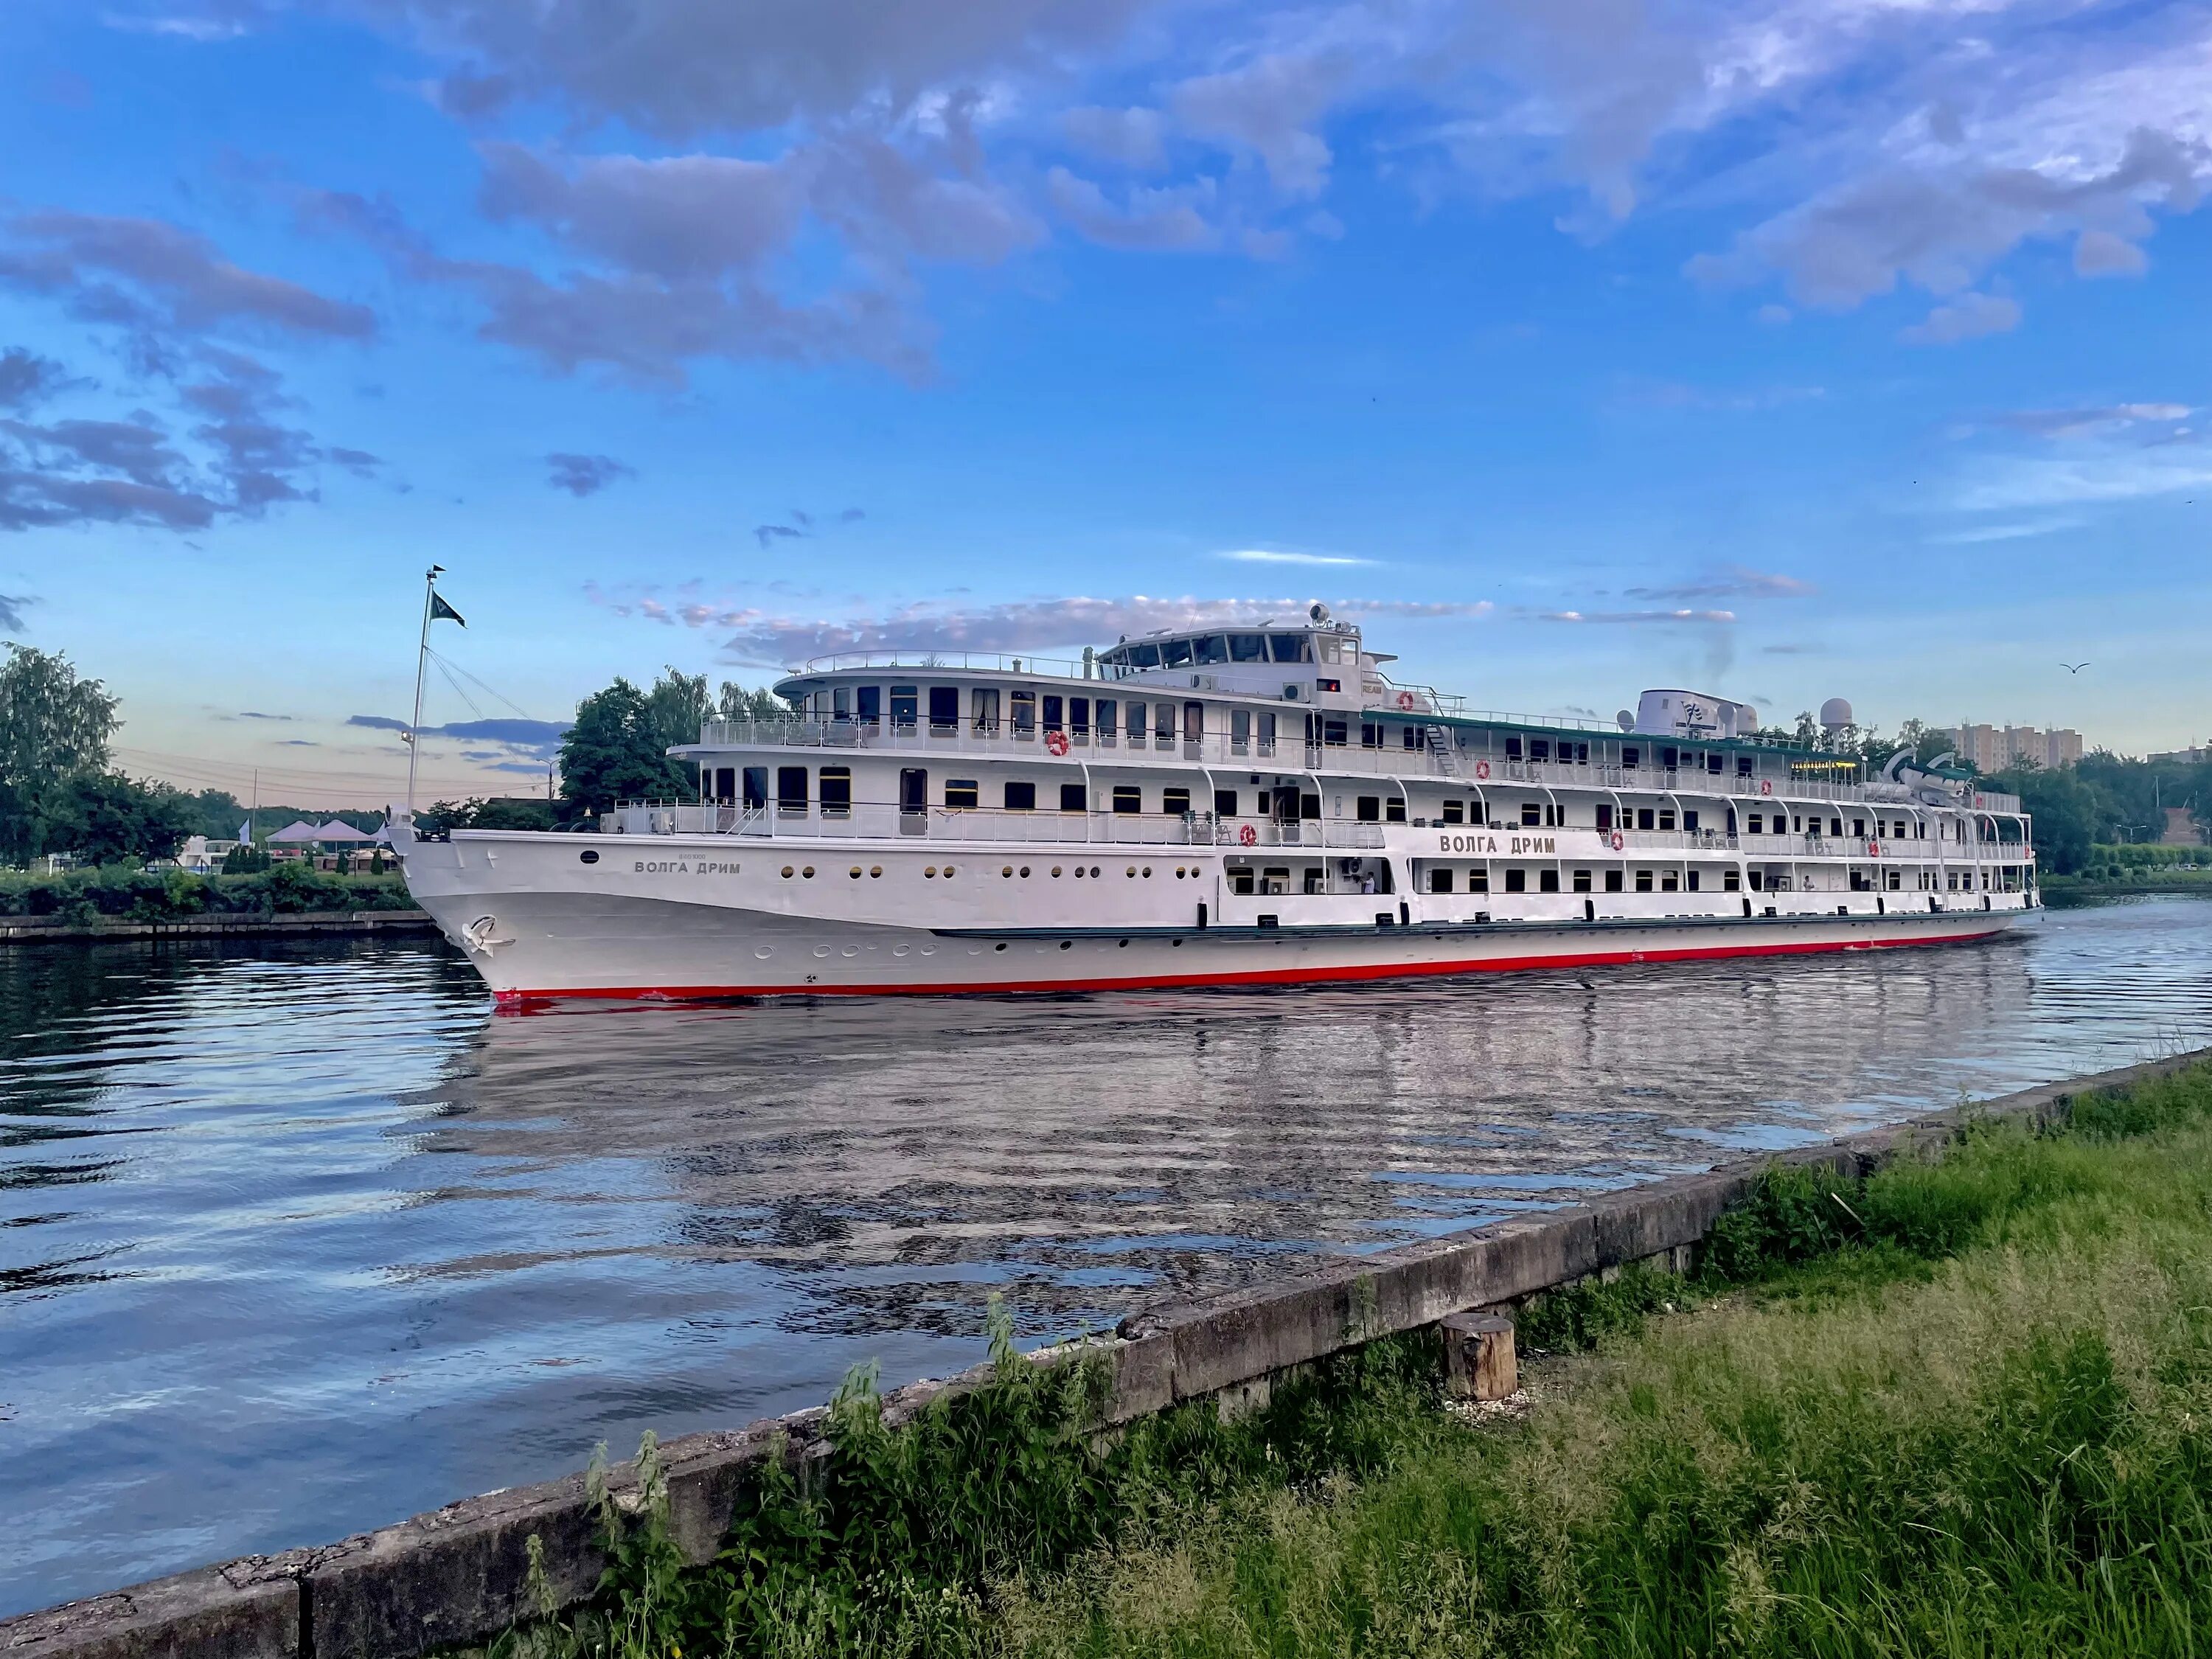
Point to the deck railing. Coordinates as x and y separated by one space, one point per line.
969 823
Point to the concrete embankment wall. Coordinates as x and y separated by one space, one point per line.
25 930
456 1574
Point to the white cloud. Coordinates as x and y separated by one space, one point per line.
1267 556
2097 475
1967 318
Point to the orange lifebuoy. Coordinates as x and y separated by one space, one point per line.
1874 849
1056 741
1482 768
1765 786
1247 835
1620 841
1404 700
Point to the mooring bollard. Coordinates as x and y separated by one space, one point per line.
1478 1362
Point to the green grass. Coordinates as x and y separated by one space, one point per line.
1964 1407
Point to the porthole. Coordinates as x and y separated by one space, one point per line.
1008 871
1121 944
1148 873
1067 945
1132 872
765 952
948 873
808 872
786 872
852 950
821 950
1078 872
856 873
589 855
1055 870
1094 870
901 950
875 871
1001 945
1026 873
930 874
929 950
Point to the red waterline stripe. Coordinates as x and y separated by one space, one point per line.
1256 977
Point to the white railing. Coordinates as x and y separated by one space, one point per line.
1289 753
970 823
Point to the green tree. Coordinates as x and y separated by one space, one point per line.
737 703
678 703
613 752
2065 810
104 817
52 725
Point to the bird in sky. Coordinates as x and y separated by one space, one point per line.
2073 667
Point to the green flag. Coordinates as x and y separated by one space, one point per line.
440 608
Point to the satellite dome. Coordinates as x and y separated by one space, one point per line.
1836 713
1320 611
1627 720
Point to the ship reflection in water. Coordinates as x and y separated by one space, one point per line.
296 1242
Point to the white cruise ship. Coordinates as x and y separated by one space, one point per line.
1261 804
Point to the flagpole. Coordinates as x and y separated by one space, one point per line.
422 661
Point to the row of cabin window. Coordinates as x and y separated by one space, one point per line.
1667 758
1209 649
1032 711
1615 881
836 798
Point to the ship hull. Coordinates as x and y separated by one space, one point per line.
537 925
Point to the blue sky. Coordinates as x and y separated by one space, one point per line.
1786 349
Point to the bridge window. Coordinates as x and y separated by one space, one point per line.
836 792
1247 648
1290 647
1175 653
962 792
1021 797
944 707
791 788
1211 650
1128 797
1074 798
1175 802
1147 655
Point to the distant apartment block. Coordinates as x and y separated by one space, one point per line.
2195 754
1997 748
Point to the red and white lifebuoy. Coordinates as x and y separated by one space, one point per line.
1874 849
1482 768
1248 835
1765 786
1056 741
1404 700
1620 841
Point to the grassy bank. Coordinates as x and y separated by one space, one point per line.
1963 1407
123 893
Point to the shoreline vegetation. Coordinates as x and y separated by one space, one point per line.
1961 1406
125 893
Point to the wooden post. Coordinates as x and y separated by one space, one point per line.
1479 1362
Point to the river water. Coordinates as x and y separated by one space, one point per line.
297 1240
